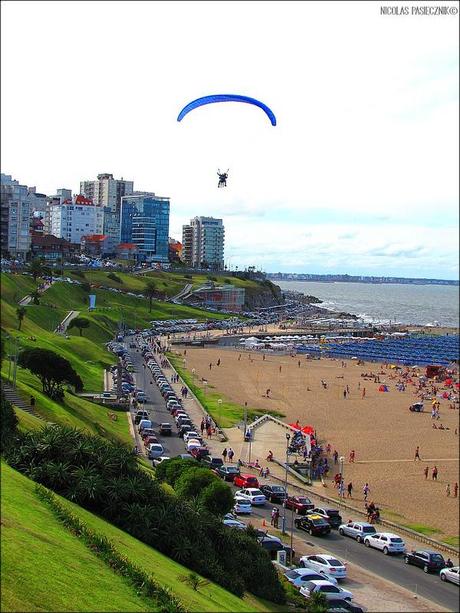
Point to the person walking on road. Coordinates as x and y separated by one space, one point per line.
366 490
342 489
230 454
224 454
336 456
425 472
417 454
349 490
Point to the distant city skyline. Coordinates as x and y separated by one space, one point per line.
359 176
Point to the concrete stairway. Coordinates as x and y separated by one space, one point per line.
12 396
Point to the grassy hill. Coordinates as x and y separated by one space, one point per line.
46 568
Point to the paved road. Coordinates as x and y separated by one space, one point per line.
156 406
391 568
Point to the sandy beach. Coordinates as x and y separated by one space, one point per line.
379 427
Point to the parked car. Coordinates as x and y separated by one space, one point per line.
199 452
300 504
234 523
450 574
228 473
272 547
386 542
246 481
192 444
332 592
343 606
330 515
191 434
212 461
430 561
274 493
185 428
157 461
298 576
151 438
253 494
144 423
323 563
357 530
165 429
242 506
140 415
155 451
313 524
185 456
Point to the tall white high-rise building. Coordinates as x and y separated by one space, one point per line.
203 243
108 192
77 218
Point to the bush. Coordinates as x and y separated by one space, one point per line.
169 471
192 481
216 498
106 479
9 422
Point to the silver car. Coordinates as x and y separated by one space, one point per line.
450 574
357 530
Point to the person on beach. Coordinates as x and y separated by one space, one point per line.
336 456
448 490
455 490
349 490
366 490
351 459
210 365
224 454
417 454
218 362
344 394
363 395
280 367
298 363
425 472
434 473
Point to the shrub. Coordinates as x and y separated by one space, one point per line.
9 422
192 481
217 498
169 471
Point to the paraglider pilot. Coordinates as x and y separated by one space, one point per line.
222 178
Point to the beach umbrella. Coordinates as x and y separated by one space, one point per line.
308 429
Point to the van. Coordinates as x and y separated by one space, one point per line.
145 423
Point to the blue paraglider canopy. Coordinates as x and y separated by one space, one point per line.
226 98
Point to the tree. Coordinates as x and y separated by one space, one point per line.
38 268
9 422
217 498
20 314
52 370
150 292
317 603
170 470
193 481
35 297
79 322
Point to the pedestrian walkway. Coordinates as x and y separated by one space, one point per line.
16 400
62 327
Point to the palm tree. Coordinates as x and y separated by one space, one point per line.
150 293
20 314
317 603
35 297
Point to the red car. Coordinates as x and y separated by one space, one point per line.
199 452
245 481
300 504
150 439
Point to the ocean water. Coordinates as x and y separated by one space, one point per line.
405 304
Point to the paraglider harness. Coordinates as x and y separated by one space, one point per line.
223 176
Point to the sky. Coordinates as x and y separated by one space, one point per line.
360 175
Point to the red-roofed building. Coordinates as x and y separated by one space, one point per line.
95 244
51 247
127 251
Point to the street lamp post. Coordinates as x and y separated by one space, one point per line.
288 438
220 412
341 460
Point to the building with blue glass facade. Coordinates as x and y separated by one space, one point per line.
145 222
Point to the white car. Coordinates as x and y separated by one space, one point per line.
234 523
386 542
242 506
325 564
159 460
253 494
332 592
298 576
450 574
191 434
193 442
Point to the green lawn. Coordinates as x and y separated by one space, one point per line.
46 568
226 413
74 411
